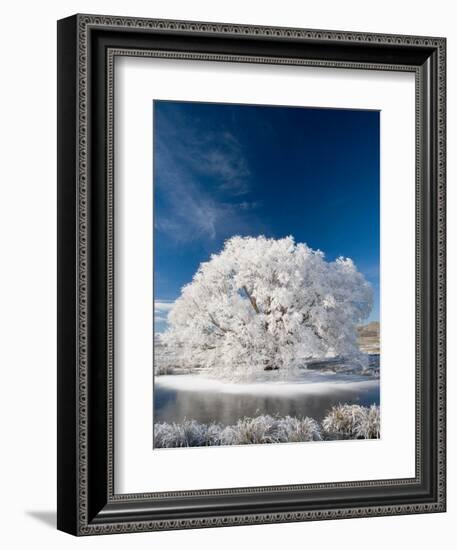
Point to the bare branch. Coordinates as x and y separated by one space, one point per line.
216 324
252 300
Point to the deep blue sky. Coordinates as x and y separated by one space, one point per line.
226 169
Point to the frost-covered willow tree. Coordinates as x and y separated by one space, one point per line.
264 304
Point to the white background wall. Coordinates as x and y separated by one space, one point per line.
28 270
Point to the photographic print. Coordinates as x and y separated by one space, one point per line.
266 274
240 269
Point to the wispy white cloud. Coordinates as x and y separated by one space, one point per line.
220 156
190 212
163 305
246 205
190 209
161 310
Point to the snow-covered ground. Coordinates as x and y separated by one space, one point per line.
307 382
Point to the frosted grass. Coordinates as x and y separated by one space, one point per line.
353 421
342 422
261 429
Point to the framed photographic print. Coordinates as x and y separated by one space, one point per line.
251 274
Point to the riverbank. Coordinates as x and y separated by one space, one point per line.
341 422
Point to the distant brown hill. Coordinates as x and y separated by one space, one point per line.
369 337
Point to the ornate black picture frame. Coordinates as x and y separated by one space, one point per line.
87 46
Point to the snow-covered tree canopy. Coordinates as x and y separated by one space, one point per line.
264 304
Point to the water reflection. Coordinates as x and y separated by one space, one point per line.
175 404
